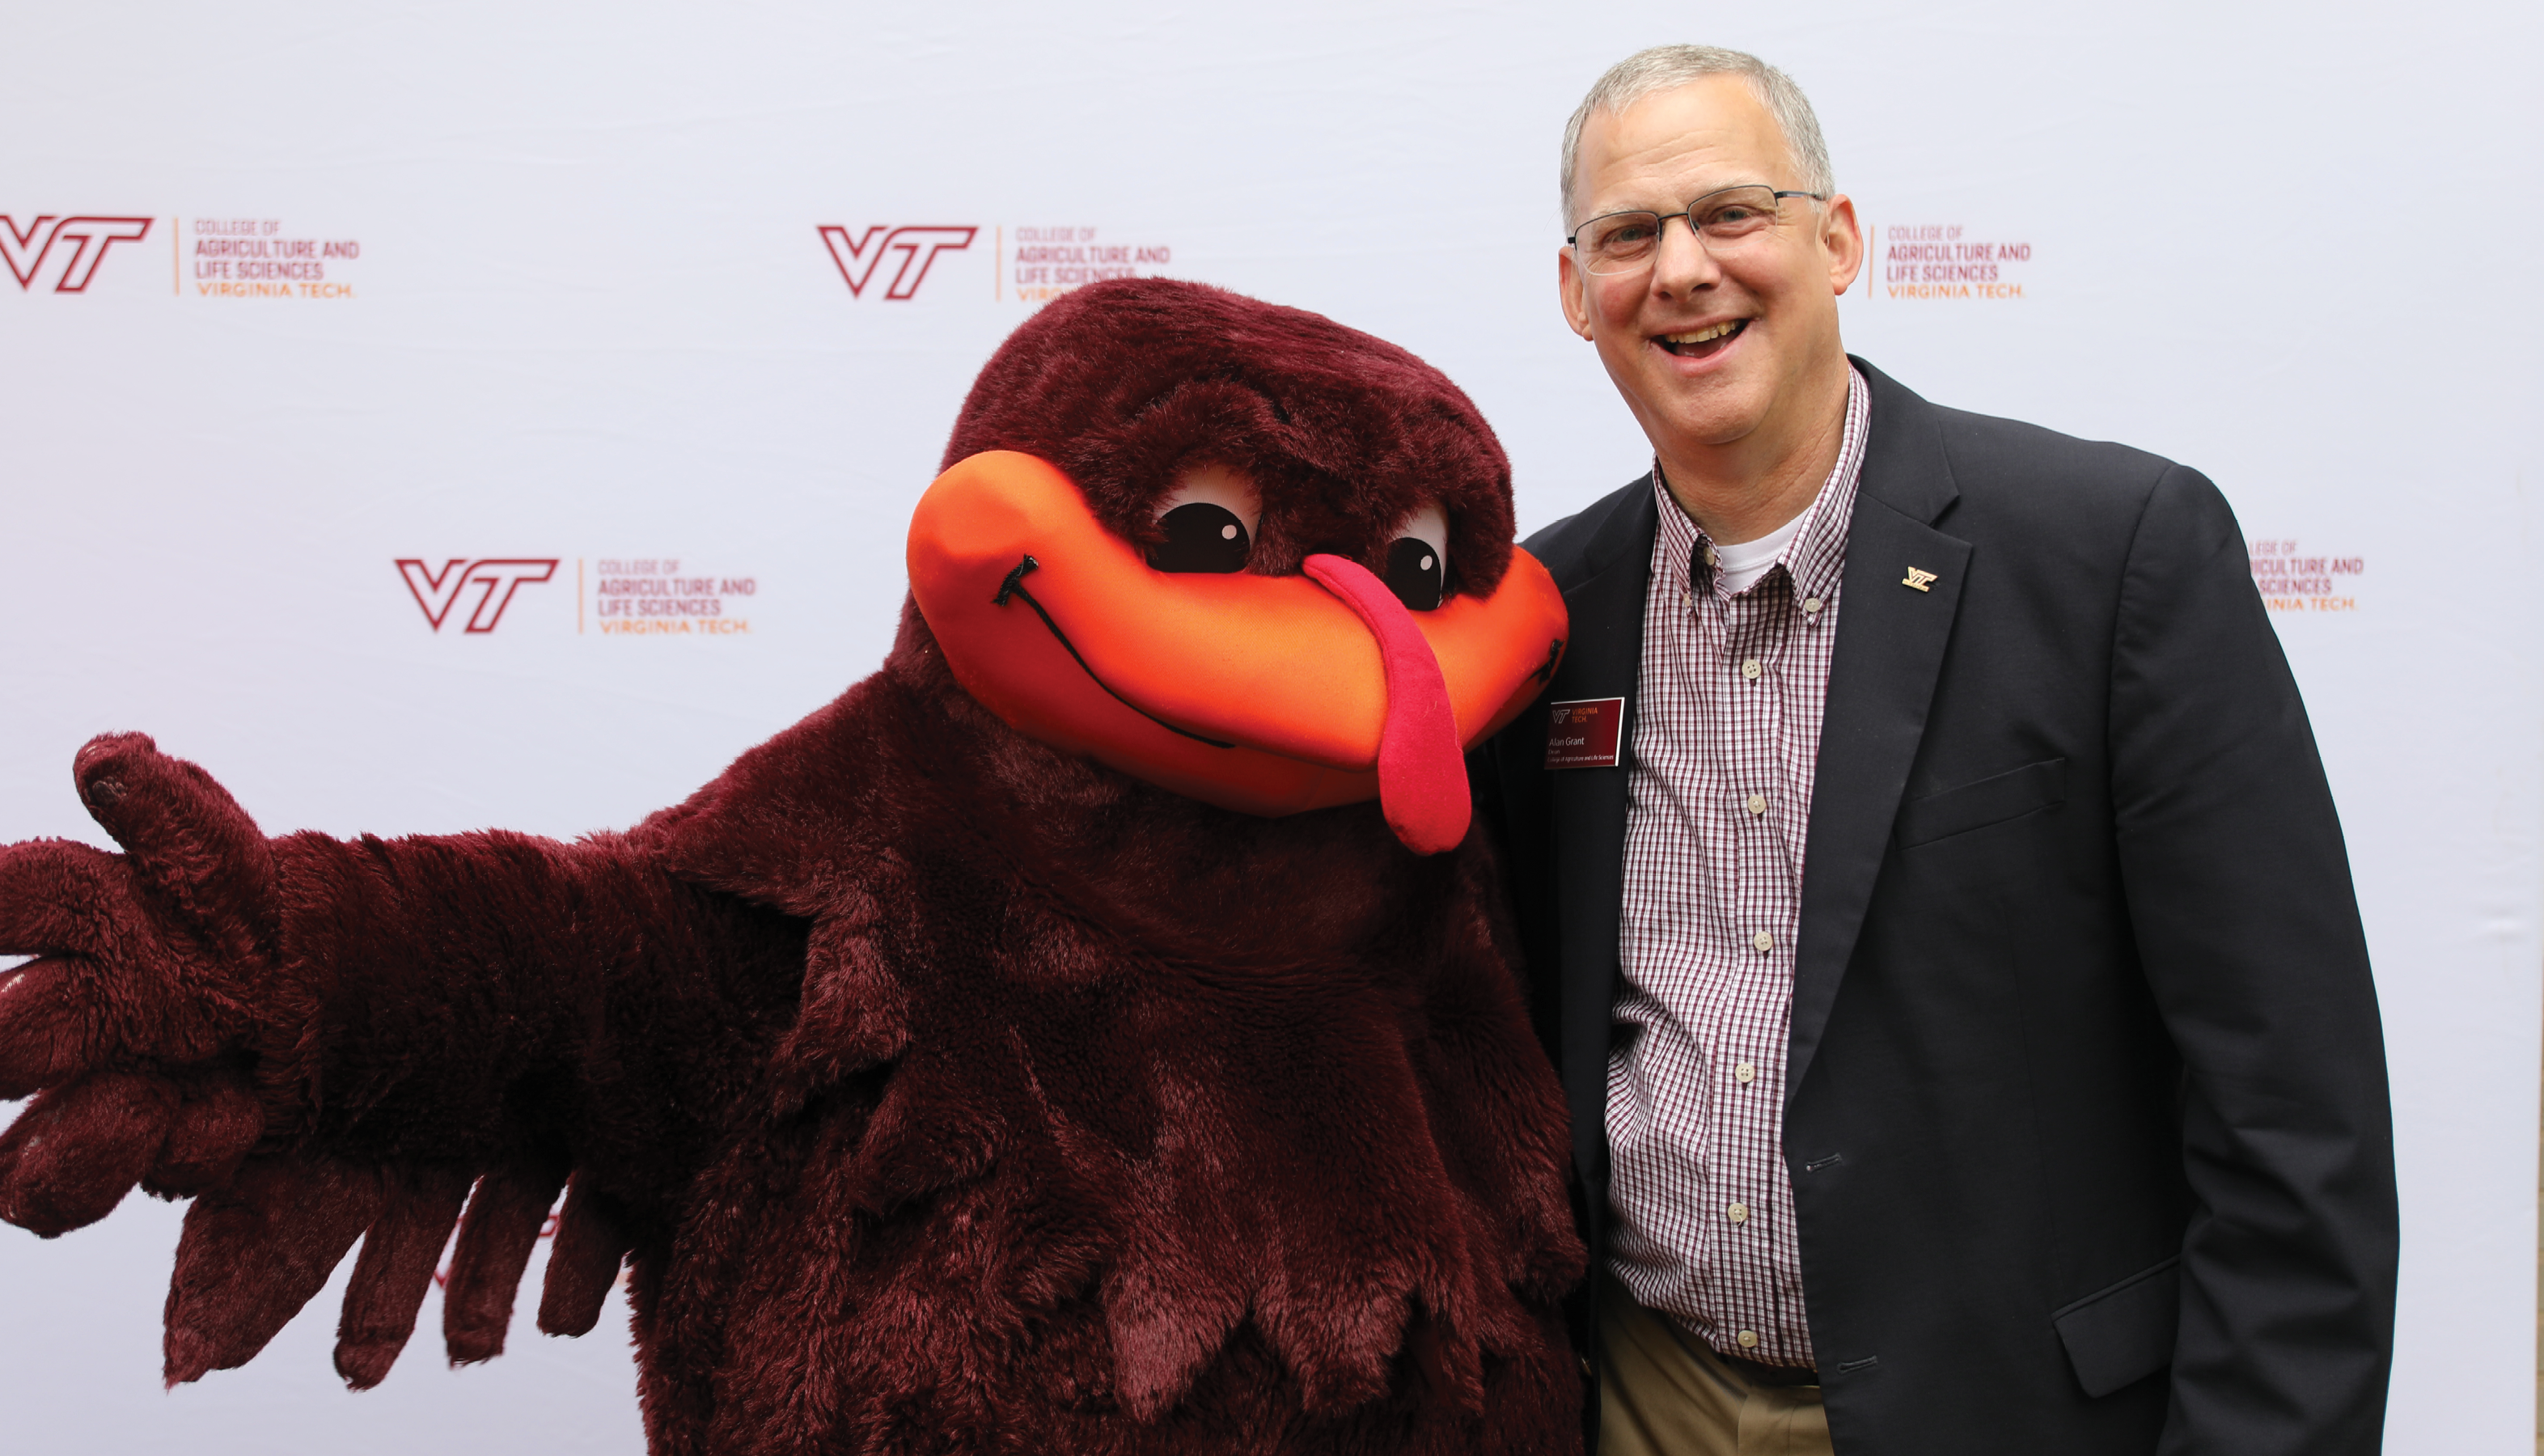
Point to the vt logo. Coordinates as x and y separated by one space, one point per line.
858 256
26 249
437 592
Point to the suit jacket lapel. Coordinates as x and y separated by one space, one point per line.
1890 646
1588 805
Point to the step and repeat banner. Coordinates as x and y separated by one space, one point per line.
500 415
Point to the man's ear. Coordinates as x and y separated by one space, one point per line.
1843 239
1570 281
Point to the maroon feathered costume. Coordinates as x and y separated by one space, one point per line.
942 1092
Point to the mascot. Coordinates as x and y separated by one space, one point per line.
1095 1033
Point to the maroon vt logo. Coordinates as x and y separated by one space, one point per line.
79 243
437 592
917 248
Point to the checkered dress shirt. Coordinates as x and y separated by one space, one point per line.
1727 734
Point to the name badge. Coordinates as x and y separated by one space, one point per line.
1583 734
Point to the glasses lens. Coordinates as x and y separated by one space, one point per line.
1620 242
1734 212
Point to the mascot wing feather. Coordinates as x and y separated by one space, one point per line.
1094 1032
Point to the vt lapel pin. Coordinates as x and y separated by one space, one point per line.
1919 579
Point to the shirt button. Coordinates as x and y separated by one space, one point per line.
1757 803
1745 1073
1810 606
1739 1213
1750 669
1763 940
1748 1339
1710 558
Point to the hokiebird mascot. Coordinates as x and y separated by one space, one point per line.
1094 1032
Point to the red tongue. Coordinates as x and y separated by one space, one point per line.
1421 773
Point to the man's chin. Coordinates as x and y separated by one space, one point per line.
1704 414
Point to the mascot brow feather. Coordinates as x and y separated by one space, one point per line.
1045 1046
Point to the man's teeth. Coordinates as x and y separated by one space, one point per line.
1705 336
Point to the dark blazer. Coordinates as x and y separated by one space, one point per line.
2086 1105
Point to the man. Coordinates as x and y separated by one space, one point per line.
1932 893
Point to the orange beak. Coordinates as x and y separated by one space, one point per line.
1265 694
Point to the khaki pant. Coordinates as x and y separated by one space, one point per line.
1663 1392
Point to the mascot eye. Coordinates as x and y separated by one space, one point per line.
1417 560
1201 537
1209 522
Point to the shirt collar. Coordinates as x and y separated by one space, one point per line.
1816 555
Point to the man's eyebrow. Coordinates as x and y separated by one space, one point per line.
1682 203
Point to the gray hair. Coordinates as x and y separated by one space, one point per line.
1666 68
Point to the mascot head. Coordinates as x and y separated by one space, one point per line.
1237 550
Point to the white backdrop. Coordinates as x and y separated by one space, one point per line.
483 282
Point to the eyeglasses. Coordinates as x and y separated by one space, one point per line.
1627 242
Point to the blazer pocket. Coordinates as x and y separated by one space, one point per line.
1991 800
2120 1336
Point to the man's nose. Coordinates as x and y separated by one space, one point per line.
1683 264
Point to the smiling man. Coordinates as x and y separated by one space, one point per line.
1930 887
